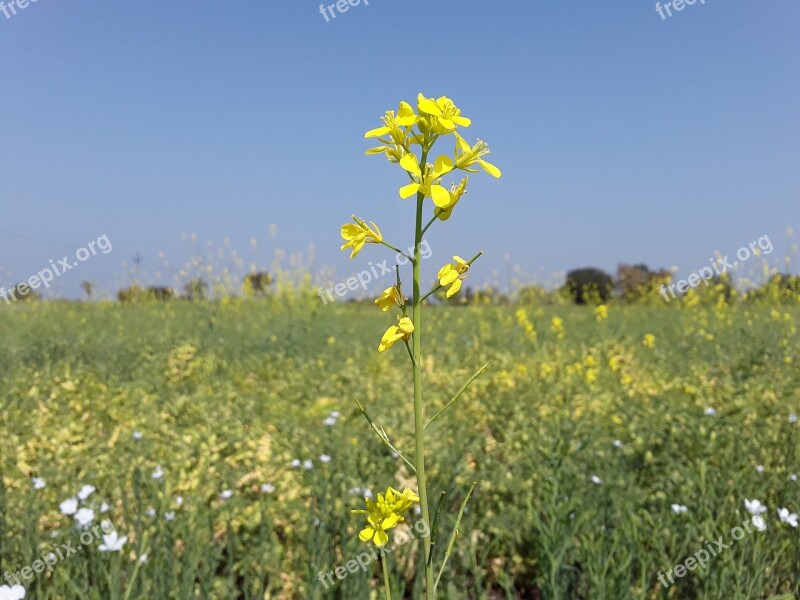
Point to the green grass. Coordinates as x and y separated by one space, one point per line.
227 394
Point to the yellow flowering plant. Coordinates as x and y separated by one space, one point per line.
407 138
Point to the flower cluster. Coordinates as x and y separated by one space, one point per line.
385 513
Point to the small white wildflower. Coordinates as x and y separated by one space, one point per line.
14 592
296 463
169 516
143 559
793 477
225 495
104 508
267 488
324 459
754 507
329 421
792 419
38 483
787 517
84 517
178 500
69 507
596 480
158 473
760 469
308 465
137 435
759 522
112 542
710 412
617 444
86 491
679 509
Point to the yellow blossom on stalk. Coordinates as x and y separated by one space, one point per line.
467 156
649 340
359 233
441 115
385 514
396 133
456 191
557 327
395 333
452 275
390 297
601 312
429 182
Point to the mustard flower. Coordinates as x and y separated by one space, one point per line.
390 297
385 513
601 312
395 333
467 156
442 116
649 340
359 233
396 133
456 191
452 274
429 182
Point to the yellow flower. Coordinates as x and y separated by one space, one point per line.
601 312
359 233
649 340
390 297
396 133
385 514
429 182
557 327
467 156
452 275
456 191
442 115
395 333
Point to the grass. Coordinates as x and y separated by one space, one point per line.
227 394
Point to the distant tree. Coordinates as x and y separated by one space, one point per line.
136 293
156 292
23 292
588 285
257 284
195 289
88 289
635 281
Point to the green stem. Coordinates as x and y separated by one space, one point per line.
388 245
386 583
419 414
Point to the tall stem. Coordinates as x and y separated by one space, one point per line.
419 414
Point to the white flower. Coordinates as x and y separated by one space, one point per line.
308 465
793 477
787 517
596 480
267 488
158 473
617 444
296 463
710 411
334 414
679 509
760 469
86 491
754 507
150 512
324 459
104 508
69 507
759 522
169 516
178 500
225 495
792 419
38 483
15 592
329 421
112 542
137 435
84 517
367 493
143 559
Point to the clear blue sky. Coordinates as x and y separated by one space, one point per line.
622 137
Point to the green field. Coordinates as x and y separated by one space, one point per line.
580 444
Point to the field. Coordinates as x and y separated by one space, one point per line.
586 437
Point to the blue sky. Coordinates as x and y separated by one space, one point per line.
622 137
